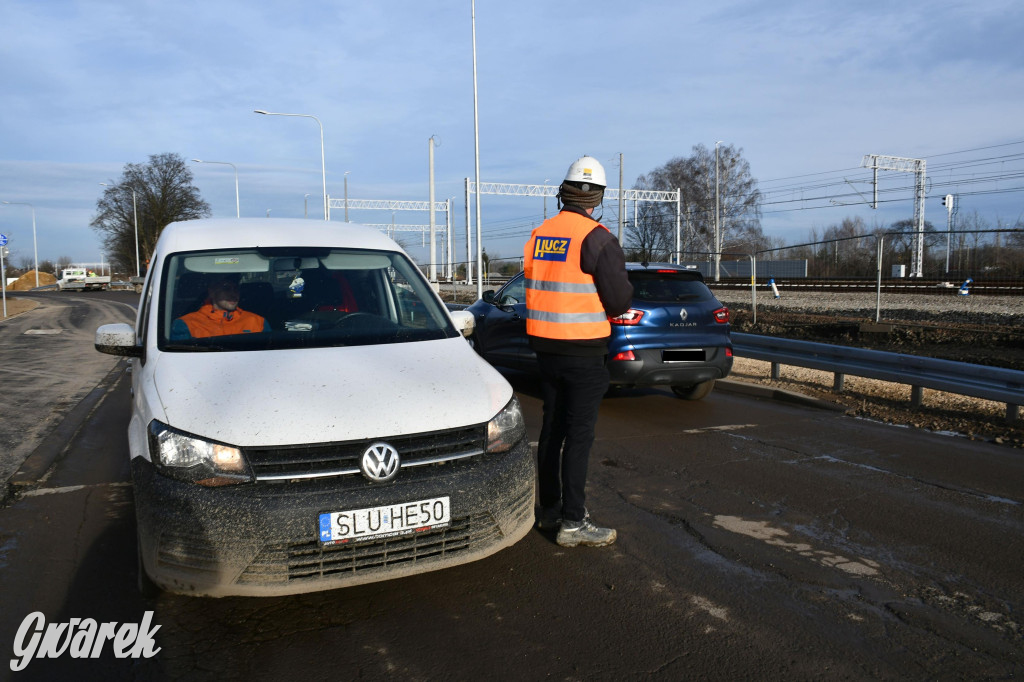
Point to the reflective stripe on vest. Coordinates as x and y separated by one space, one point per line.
561 300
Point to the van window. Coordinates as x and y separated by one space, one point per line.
263 299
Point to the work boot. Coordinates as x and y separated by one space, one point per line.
549 518
584 532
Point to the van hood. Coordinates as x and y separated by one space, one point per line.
319 395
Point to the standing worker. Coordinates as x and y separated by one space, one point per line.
575 280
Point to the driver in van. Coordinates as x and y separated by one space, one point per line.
219 315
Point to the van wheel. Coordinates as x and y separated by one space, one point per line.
147 588
695 392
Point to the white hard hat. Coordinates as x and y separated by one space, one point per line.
587 169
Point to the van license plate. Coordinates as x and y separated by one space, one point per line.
383 522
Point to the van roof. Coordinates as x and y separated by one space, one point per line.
232 233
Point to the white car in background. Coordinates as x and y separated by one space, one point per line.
356 437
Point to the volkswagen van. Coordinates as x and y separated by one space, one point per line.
340 430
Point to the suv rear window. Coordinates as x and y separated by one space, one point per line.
667 287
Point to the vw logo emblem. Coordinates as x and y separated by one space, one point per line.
682 314
380 463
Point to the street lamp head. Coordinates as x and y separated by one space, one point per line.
197 160
258 111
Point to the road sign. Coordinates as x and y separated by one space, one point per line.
3 240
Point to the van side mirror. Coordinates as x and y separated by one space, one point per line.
118 339
464 321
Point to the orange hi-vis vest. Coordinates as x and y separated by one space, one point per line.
207 322
561 300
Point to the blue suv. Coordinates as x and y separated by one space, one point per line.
676 333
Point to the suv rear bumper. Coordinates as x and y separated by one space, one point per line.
650 370
262 539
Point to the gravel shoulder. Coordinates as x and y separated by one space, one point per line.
17 306
981 330
887 402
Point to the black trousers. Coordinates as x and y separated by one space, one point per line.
572 388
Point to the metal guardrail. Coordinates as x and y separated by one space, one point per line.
963 378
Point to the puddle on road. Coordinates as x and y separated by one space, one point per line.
776 537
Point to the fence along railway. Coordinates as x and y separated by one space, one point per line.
997 287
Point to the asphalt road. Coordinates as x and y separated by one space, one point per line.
757 540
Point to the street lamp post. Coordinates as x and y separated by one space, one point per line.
323 161
346 195
35 248
135 213
305 205
476 157
546 181
238 208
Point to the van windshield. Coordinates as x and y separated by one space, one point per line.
263 299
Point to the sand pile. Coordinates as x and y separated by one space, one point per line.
27 281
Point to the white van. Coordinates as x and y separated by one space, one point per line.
333 428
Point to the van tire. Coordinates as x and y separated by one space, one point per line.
147 588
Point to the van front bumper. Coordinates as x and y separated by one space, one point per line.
262 539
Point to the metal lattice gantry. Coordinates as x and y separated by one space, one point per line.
405 205
879 162
610 193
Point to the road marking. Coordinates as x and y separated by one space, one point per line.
709 607
72 488
724 427
33 373
42 332
761 530
963 491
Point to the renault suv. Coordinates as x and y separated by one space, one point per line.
675 334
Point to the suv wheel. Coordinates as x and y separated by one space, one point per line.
695 392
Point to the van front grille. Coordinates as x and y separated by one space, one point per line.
341 459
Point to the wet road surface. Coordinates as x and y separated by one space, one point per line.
756 540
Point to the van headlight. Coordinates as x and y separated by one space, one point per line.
189 458
507 428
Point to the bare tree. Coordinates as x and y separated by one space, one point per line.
652 236
738 200
163 194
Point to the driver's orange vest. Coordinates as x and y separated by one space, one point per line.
561 300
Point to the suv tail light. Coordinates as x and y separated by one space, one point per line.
628 318
721 315
624 355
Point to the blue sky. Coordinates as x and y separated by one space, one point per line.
806 89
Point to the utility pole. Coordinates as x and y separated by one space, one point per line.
718 233
950 202
433 243
621 199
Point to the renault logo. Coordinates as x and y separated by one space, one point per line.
682 314
380 463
